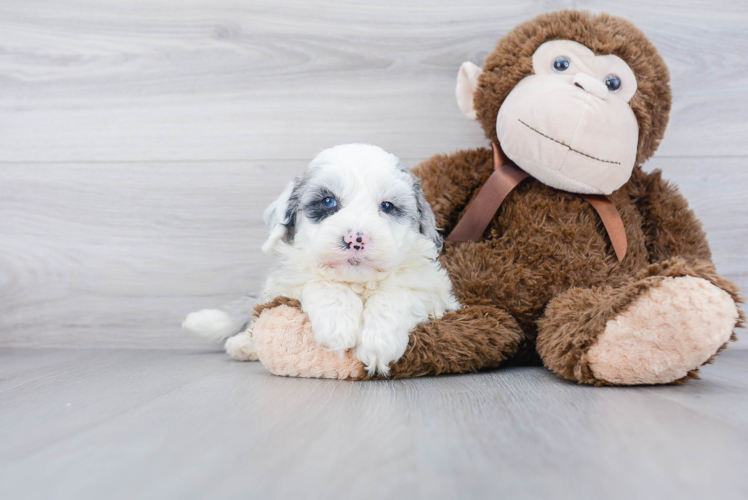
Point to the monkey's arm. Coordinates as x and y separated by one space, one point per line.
450 181
670 226
464 341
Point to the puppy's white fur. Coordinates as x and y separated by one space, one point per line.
370 298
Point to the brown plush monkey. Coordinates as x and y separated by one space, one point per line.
578 102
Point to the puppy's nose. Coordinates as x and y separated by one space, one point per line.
356 240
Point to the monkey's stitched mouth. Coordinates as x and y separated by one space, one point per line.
566 145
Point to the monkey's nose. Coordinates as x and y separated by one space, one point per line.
356 240
590 85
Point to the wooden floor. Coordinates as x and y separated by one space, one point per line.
181 424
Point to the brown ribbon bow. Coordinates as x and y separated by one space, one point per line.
505 177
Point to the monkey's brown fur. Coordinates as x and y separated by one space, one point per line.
543 282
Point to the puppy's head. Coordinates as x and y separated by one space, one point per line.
356 211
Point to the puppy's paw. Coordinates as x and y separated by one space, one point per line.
335 331
241 347
382 343
372 361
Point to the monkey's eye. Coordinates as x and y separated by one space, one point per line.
561 64
386 207
613 83
329 202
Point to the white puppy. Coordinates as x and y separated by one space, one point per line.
358 247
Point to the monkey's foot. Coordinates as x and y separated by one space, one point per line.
665 334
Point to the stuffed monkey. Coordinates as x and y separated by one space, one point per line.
562 250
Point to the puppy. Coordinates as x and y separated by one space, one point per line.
358 247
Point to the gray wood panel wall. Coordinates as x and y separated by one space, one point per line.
140 141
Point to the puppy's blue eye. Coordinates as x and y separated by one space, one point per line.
329 202
386 207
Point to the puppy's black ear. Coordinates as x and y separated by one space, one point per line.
426 219
280 216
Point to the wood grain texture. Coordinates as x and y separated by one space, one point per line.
92 80
90 424
109 253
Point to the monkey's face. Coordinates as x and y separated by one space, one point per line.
573 120
569 124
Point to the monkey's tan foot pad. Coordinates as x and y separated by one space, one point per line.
285 345
670 330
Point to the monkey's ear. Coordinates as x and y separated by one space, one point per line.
467 82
